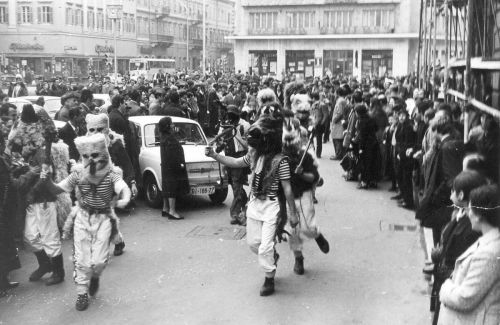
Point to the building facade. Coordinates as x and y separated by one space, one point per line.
327 37
76 37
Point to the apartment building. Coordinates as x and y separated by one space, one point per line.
74 37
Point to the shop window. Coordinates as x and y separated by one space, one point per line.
25 15
45 15
338 63
4 16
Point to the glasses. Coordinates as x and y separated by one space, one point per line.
96 129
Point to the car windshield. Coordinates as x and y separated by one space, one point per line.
186 133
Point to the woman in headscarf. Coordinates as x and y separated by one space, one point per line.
173 169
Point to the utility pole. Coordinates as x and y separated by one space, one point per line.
446 44
419 54
115 13
468 55
187 36
204 36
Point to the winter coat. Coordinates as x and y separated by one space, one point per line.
173 167
339 113
472 295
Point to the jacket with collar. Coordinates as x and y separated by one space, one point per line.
472 296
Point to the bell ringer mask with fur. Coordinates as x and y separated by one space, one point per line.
291 135
301 107
95 156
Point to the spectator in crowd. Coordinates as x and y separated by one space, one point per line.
337 127
366 142
457 235
173 169
68 101
472 295
70 131
18 89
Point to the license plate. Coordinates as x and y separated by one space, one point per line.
203 190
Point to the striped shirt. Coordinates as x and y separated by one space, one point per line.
282 174
94 196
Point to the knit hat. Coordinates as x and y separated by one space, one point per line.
97 121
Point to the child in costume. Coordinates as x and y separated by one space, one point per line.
304 176
96 182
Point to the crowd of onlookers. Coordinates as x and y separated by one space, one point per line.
381 130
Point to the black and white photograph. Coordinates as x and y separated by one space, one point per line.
220 162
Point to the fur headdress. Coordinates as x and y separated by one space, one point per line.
291 89
97 121
265 96
95 156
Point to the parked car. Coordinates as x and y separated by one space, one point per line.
205 175
21 101
52 103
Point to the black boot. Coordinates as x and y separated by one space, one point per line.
5 284
94 286
119 249
44 266
267 288
298 268
57 271
323 244
82 302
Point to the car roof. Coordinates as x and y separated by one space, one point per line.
35 97
150 119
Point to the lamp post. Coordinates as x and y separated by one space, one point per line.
115 13
204 37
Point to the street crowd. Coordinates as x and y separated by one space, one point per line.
272 133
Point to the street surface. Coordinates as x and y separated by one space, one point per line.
191 272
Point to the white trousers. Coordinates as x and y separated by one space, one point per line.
40 229
262 218
307 226
91 247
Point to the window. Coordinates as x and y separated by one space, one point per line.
45 15
69 16
90 18
78 20
300 19
4 17
378 18
25 15
100 20
338 19
262 20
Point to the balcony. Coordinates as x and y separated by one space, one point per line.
196 44
224 46
162 12
161 40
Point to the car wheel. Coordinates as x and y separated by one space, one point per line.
152 192
219 196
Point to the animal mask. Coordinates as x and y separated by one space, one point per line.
95 156
301 107
97 123
291 134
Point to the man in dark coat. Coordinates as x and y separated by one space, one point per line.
443 166
69 132
172 107
214 108
405 138
18 89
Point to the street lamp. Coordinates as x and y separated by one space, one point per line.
115 13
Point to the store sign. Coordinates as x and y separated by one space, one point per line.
25 46
70 48
104 49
